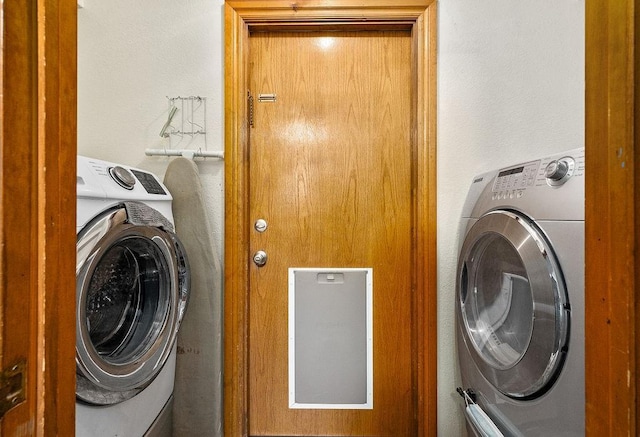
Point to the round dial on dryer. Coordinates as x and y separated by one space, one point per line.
123 177
559 171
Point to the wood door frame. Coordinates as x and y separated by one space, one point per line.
59 398
612 130
37 211
241 17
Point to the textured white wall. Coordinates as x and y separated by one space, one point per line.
131 57
510 88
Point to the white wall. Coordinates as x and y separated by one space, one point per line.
510 88
131 57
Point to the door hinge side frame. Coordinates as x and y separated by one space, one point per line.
13 381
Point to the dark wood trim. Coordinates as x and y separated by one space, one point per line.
37 213
611 219
18 212
241 17
56 161
429 385
236 236
635 64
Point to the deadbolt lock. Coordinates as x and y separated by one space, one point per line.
260 225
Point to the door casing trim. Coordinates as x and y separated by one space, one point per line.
243 17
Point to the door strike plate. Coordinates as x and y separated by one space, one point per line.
12 386
270 98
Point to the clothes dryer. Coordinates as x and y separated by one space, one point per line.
520 297
132 288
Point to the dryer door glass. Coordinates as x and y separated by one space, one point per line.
512 304
498 310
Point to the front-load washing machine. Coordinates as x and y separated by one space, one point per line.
132 288
520 298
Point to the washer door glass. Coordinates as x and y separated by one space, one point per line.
126 300
512 304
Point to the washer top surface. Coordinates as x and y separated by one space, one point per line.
102 184
551 188
99 179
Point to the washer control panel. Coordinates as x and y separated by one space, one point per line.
131 179
122 176
127 178
149 182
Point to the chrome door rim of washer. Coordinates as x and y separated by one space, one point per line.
103 381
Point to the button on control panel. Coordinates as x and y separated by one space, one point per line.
149 182
512 182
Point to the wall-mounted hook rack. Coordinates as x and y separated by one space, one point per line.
191 118
187 116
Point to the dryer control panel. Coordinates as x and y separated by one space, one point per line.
555 171
558 171
512 182
549 188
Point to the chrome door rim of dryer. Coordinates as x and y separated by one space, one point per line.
548 327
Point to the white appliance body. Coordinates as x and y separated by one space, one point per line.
132 283
520 296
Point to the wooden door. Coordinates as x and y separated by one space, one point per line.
412 26
331 174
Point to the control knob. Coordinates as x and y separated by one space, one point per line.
559 171
123 177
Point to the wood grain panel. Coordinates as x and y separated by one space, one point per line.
236 231
331 174
425 231
56 213
611 220
634 62
320 11
18 214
